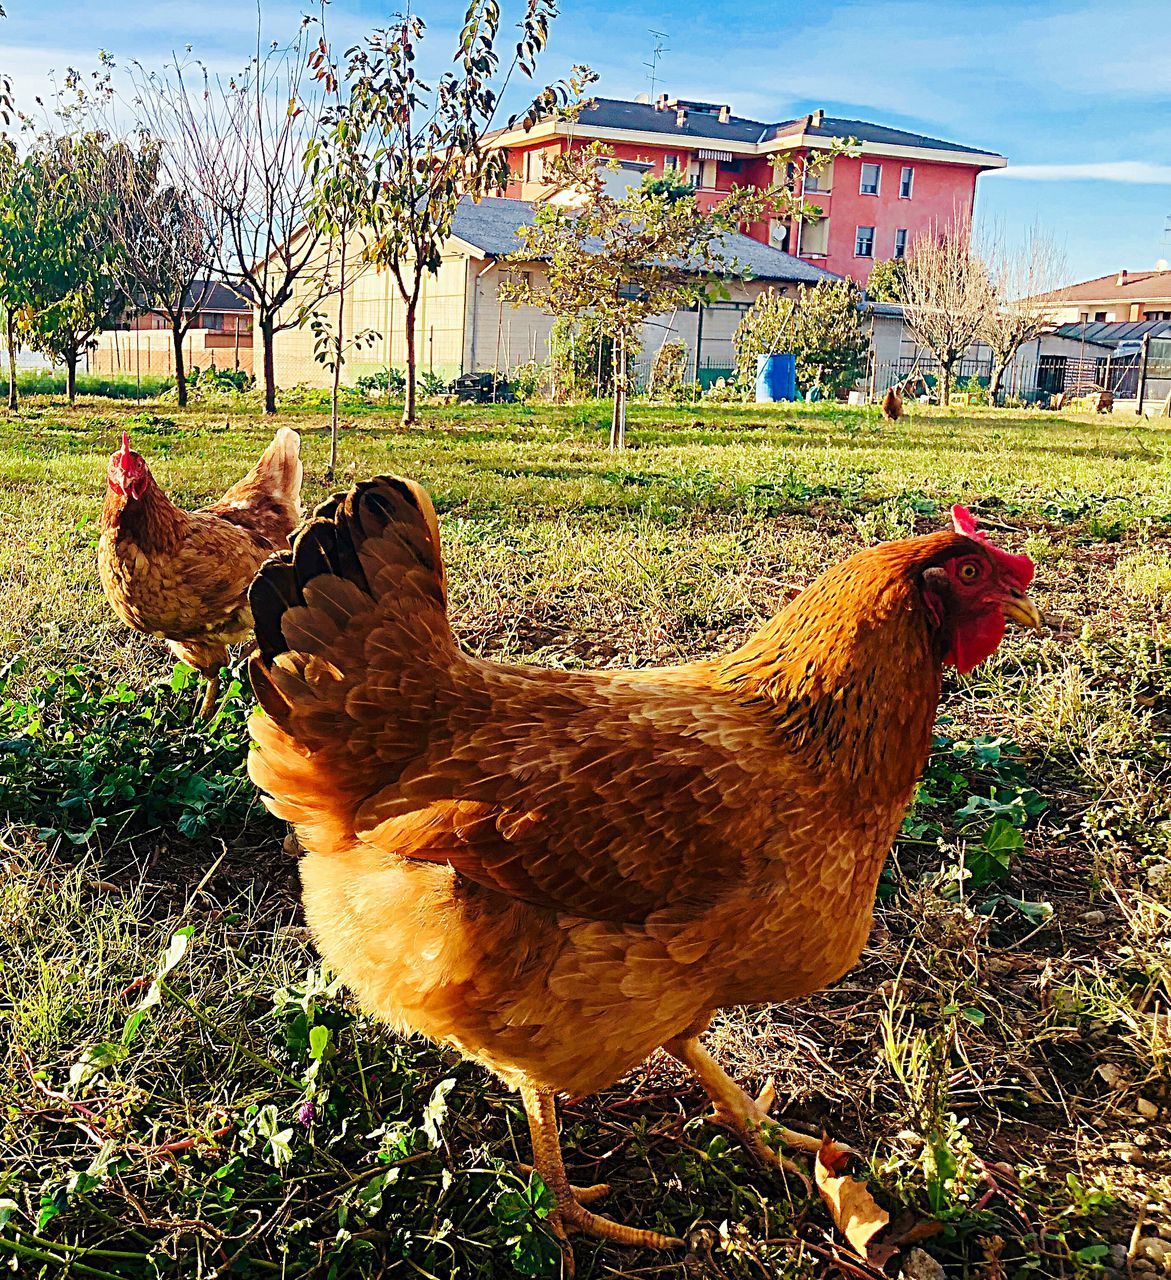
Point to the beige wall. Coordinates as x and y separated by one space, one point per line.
464 325
128 353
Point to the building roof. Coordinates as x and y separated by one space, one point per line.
879 134
1112 333
1122 286
491 227
213 295
703 121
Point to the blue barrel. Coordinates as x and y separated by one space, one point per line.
776 378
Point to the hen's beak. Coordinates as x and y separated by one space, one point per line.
1020 608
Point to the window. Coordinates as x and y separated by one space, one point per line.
815 238
1157 315
670 162
864 242
819 178
534 165
901 242
871 178
1099 315
906 182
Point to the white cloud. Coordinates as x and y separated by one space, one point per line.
1137 172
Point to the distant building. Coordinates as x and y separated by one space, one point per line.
1124 296
873 205
464 326
220 335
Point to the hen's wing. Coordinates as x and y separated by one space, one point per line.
609 796
266 503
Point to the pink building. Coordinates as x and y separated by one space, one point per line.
872 205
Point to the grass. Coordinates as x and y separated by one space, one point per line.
185 1093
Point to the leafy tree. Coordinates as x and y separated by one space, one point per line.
423 145
620 260
886 280
165 244
947 294
17 222
822 327
831 344
769 327
71 271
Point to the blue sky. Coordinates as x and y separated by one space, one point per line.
1076 93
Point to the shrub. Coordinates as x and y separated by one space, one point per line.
431 383
822 327
386 382
527 380
50 382
668 370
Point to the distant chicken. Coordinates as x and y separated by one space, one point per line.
184 575
892 404
558 872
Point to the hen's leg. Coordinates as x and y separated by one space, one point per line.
748 1118
210 697
571 1215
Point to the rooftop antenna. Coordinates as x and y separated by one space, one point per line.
653 65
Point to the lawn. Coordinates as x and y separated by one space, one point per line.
184 1092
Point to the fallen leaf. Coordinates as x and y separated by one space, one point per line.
856 1213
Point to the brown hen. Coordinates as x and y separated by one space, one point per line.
559 872
184 575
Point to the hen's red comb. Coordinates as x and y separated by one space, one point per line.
1019 568
123 455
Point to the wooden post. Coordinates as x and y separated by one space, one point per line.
1142 373
698 339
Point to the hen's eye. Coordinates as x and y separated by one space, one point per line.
969 572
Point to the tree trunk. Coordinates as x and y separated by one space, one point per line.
944 385
13 397
267 336
71 376
180 367
409 402
340 338
618 418
994 380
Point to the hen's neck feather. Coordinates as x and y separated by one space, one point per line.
851 669
152 522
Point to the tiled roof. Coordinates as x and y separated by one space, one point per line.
645 117
491 226
879 134
213 295
1138 286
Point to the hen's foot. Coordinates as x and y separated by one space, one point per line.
571 1216
745 1117
583 1195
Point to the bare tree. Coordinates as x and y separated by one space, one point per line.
946 295
166 245
239 146
1025 276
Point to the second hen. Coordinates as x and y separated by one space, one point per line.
558 872
184 575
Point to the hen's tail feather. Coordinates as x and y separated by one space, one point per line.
352 616
278 471
384 528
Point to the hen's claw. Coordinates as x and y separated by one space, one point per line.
745 1117
571 1215
583 1195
